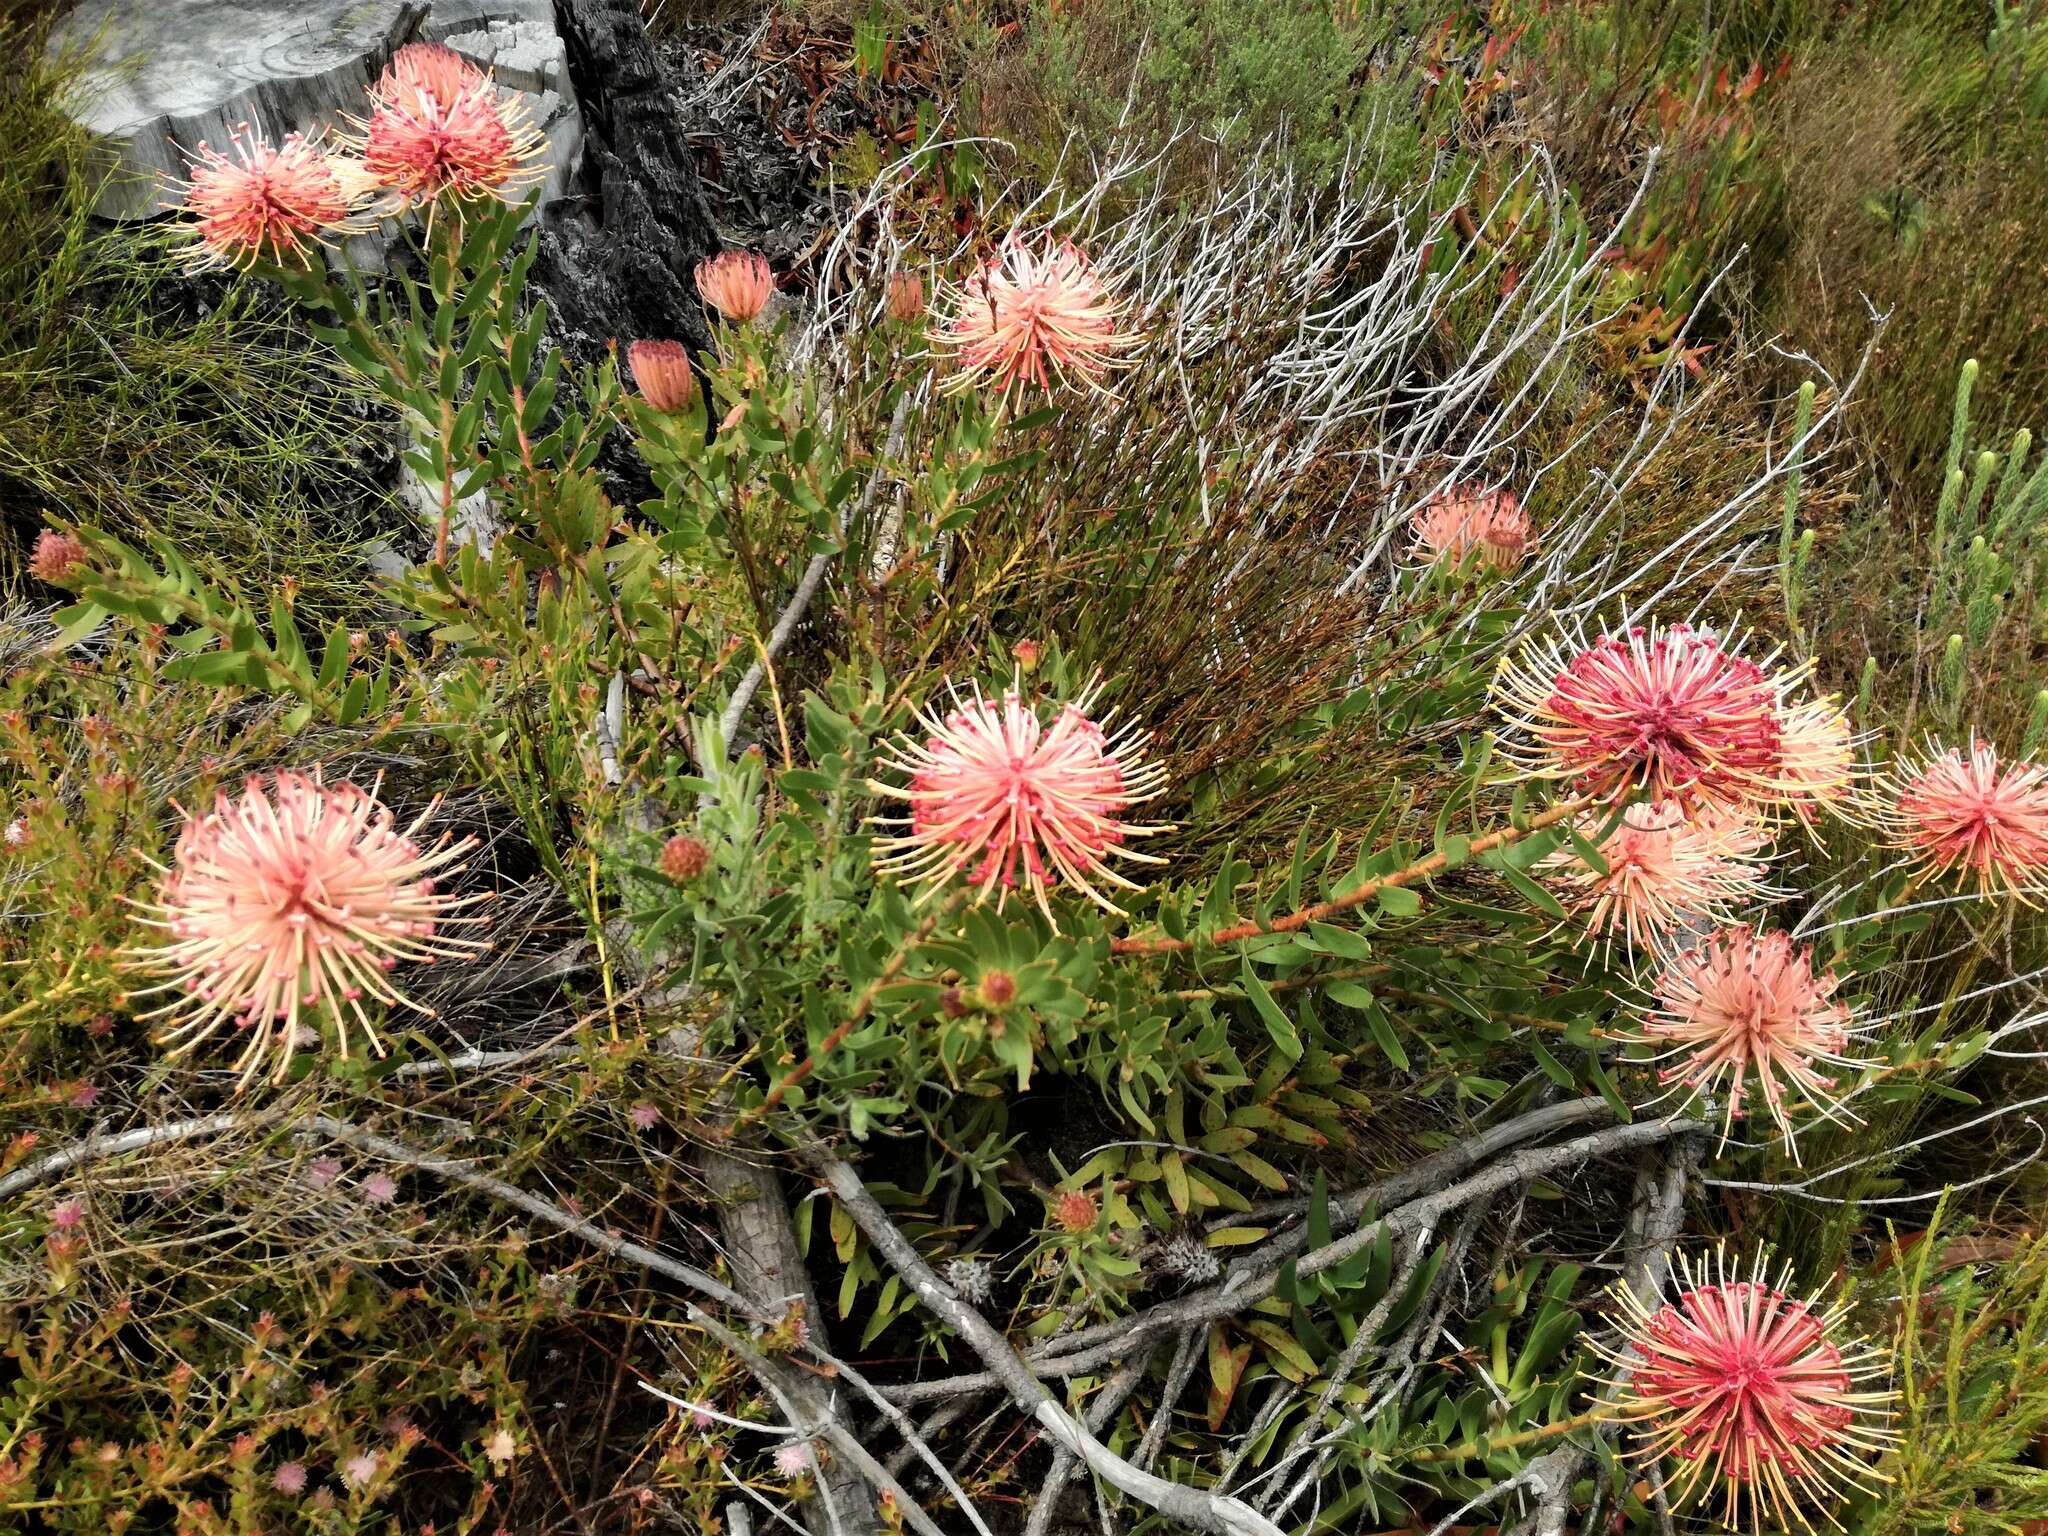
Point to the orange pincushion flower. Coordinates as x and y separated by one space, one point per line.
1753 1389
438 125
661 369
1673 712
1975 815
1667 868
737 284
259 204
1471 518
1744 1013
1035 316
1007 799
288 905
1074 1211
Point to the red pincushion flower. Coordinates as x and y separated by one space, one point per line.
1975 815
438 125
1753 1389
1667 868
1746 1012
1034 316
1466 518
290 903
1672 712
262 204
1009 800
737 284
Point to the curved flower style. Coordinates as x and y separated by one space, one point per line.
1673 712
262 204
1816 759
1745 1013
1974 815
1034 316
1752 1389
737 284
1009 800
1466 518
1667 869
438 125
288 904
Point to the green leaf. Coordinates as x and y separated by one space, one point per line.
1286 1039
1399 901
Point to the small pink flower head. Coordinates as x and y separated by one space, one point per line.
357 1471
66 1215
1471 519
906 296
56 556
661 372
1751 1388
379 1189
18 834
645 1116
290 1478
1744 1013
290 904
736 284
1005 798
1667 868
1035 315
792 1459
323 1171
439 125
258 204
1973 815
1673 712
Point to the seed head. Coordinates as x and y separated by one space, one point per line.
736 284
1753 1389
1001 796
1972 815
1034 315
661 370
287 906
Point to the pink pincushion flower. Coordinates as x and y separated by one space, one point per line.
1753 1389
1974 815
999 795
290 1478
262 204
1469 519
357 1471
1745 1013
792 1459
380 1189
1035 315
736 284
56 556
439 125
292 902
1667 868
645 1116
1673 712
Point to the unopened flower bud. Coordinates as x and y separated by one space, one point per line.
998 988
1027 653
661 370
953 1003
684 858
906 296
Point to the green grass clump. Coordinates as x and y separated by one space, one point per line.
136 397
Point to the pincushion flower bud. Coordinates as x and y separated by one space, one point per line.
1027 654
661 372
683 858
287 907
257 204
906 296
1004 798
1469 519
1973 815
1035 315
1754 1389
439 125
1075 1211
737 284
56 556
